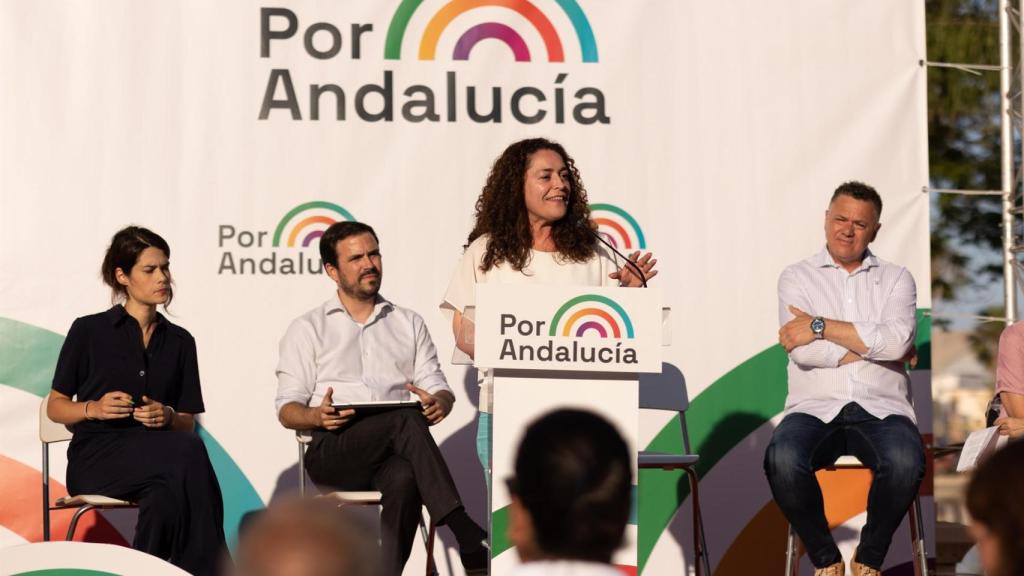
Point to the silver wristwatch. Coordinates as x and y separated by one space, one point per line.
818 327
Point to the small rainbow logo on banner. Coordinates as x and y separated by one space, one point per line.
618 227
307 222
591 313
440 21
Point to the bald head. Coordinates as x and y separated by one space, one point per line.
306 538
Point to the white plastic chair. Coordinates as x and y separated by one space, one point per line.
363 498
50 432
662 394
920 553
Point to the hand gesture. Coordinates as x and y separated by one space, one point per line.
797 332
329 418
1012 427
112 406
152 414
628 277
435 407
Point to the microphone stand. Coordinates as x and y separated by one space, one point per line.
643 278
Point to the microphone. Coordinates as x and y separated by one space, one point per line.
586 225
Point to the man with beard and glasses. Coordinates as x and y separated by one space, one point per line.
359 347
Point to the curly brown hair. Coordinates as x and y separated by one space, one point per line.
501 211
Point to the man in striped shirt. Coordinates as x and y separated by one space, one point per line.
848 321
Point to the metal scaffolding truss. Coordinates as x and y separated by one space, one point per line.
1011 106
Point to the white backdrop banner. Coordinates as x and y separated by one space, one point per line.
709 132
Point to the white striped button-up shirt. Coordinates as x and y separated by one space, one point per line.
880 300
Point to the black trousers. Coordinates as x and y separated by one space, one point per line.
394 454
169 475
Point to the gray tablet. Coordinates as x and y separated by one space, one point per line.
369 408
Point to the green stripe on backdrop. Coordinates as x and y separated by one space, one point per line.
66 572
719 418
396 29
499 532
30 357
239 495
924 341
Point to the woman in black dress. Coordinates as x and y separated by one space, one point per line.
127 380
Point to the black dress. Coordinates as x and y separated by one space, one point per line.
167 473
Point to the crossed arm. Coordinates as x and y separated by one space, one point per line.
889 339
799 341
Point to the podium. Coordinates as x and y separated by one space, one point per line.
548 347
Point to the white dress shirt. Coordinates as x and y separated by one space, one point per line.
880 300
371 361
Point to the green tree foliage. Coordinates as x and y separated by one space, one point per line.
984 340
964 144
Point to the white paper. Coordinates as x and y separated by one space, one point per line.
978 445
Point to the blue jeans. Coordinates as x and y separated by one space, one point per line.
802 444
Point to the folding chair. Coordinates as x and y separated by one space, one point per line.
920 553
656 395
50 432
363 498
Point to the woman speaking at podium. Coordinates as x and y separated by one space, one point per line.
532 226
128 381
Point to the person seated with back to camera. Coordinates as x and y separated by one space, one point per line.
570 496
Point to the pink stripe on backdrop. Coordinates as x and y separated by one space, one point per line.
22 513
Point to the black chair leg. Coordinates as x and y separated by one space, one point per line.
46 492
700 550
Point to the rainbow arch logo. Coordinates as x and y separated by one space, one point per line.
306 223
469 38
618 227
591 314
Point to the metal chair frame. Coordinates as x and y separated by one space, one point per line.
51 432
655 395
364 498
918 549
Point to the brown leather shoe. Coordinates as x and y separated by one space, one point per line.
837 569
